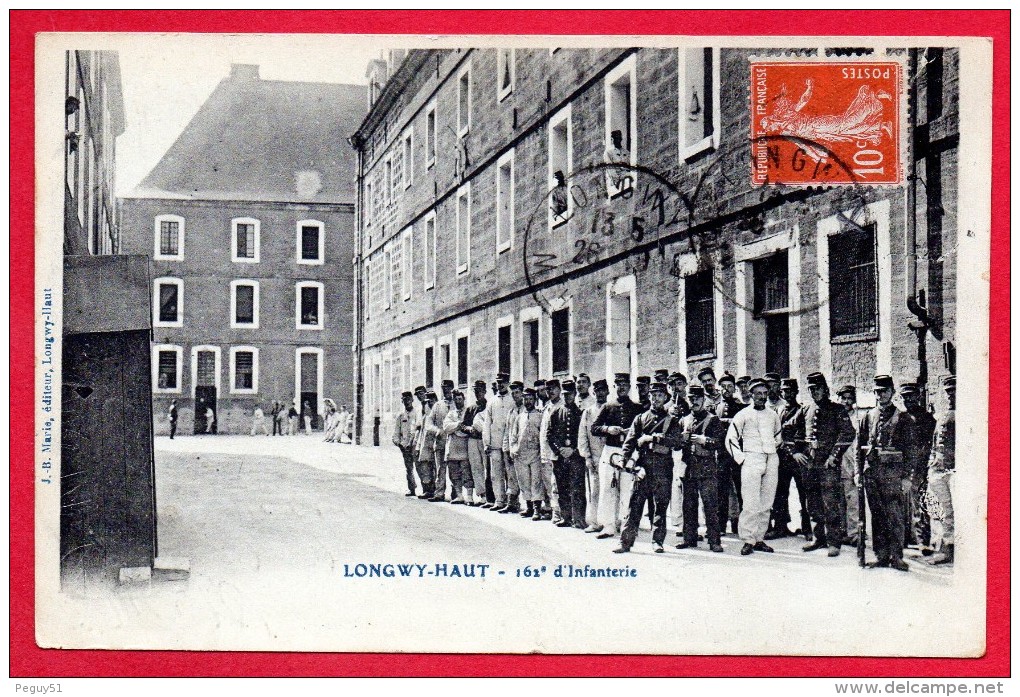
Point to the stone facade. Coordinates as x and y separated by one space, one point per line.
689 266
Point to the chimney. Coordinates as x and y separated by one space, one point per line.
243 71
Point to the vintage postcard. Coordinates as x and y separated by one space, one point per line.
513 344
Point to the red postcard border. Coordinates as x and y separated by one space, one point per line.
28 660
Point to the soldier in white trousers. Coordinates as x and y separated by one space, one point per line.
753 441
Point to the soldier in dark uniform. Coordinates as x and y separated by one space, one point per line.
886 447
729 470
612 424
652 438
829 434
918 522
791 455
941 469
569 468
703 437
643 385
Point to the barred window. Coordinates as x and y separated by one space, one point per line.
310 242
771 284
169 238
167 370
503 362
699 311
429 367
244 370
853 283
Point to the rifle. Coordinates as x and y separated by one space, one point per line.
861 524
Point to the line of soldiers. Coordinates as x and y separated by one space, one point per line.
562 451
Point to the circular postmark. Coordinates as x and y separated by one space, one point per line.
692 221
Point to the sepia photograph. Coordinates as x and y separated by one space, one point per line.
513 344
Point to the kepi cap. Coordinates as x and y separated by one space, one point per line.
659 387
790 384
816 380
644 380
772 377
695 391
884 382
600 384
622 377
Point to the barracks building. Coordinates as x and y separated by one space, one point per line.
547 212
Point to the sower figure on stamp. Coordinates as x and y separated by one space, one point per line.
404 429
590 446
568 466
648 448
435 425
792 417
729 470
918 522
848 465
753 440
615 485
941 469
526 450
703 436
425 448
829 434
886 441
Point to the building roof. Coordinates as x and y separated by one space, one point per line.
264 140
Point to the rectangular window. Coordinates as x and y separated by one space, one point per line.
561 341
407 256
311 242
169 237
699 100
169 308
430 251
504 349
368 204
245 241
445 355
464 229
309 305
389 180
431 135
397 269
462 361
853 283
530 348
505 202
771 284
407 154
244 370
560 204
505 70
244 304
621 126
430 379
699 311
464 101
168 370
387 260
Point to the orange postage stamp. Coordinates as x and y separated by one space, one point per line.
820 123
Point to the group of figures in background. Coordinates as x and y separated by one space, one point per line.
286 421
699 455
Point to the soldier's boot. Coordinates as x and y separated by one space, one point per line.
538 511
943 557
529 510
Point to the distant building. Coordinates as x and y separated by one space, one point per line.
249 218
107 487
657 250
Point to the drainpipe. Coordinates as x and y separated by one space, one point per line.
359 377
914 297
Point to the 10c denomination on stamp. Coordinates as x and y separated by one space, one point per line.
821 123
